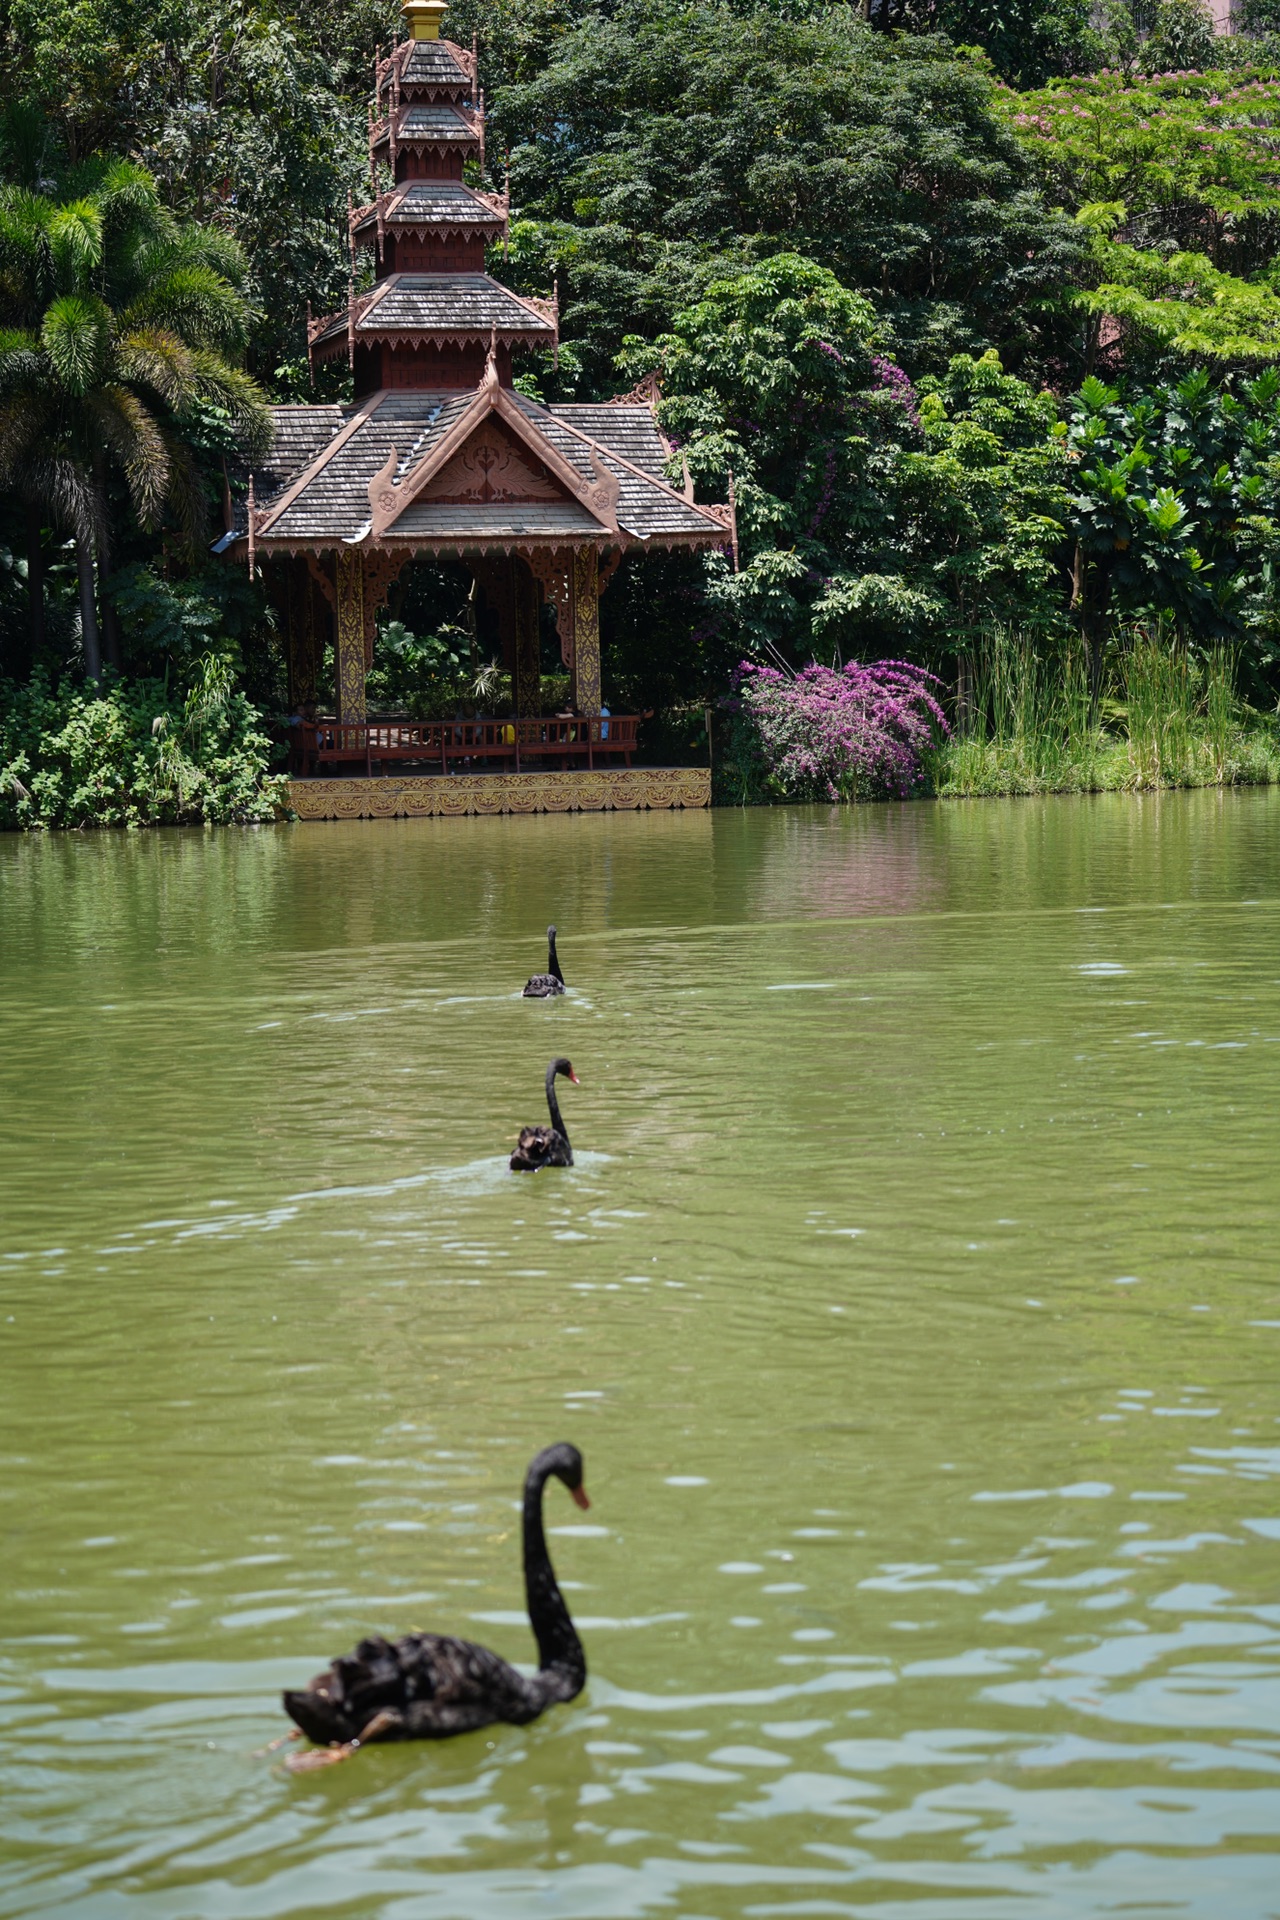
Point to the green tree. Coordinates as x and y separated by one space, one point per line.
118 323
667 146
869 515
1181 37
242 112
1173 507
1026 40
1173 180
1258 17
986 500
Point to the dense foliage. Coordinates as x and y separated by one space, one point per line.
1175 178
975 307
116 355
1174 505
669 144
870 513
130 755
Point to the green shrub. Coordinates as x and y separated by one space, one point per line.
130 754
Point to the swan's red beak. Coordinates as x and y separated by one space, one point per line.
573 1078
580 1495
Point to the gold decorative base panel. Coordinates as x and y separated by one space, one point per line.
392 797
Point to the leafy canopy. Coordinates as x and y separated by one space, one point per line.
869 514
121 324
1175 179
669 145
1174 499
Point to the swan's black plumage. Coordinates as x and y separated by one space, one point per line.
546 1146
543 985
427 1686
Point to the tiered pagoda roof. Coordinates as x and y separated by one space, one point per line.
437 451
447 309
428 230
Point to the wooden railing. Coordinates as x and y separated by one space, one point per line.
439 745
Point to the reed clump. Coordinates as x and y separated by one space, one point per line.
1031 719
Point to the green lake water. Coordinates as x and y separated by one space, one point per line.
915 1302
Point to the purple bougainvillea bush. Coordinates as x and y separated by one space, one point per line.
841 733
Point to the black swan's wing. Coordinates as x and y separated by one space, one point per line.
541 986
540 1147
422 1687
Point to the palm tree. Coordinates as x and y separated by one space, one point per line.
116 322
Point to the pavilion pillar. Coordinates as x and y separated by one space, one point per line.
586 630
349 650
528 673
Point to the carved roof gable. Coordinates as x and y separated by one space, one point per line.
493 445
492 466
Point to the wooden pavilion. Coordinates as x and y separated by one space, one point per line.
438 455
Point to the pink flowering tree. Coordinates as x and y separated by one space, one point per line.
838 733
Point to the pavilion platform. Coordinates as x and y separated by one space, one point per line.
390 796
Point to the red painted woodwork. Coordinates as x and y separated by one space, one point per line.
413 164
440 745
405 254
438 369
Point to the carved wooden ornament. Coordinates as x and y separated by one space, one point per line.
493 445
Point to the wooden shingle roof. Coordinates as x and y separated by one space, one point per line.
326 500
631 431
433 63
435 122
435 204
462 306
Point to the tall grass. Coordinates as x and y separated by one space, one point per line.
1025 723
1165 718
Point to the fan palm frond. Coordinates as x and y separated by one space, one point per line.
76 336
211 247
243 399
127 187
155 357
26 259
196 302
136 438
75 242
121 321
58 478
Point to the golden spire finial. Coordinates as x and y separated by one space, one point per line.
424 17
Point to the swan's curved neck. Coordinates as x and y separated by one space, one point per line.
559 1647
553 965
553 1106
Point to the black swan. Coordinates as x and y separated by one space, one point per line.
428 1685
543 985
546 1146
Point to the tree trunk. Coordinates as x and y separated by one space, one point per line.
110 625
88 610
35 582
107 612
